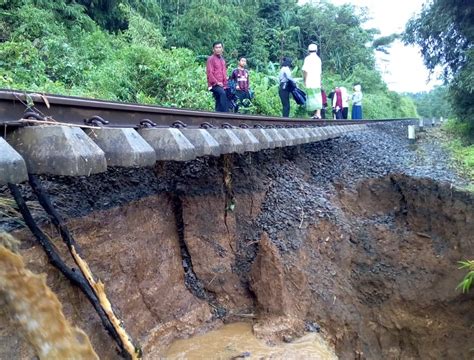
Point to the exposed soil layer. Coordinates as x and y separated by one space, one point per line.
337 235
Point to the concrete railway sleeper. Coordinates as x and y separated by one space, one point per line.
71 136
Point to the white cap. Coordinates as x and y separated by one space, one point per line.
312 47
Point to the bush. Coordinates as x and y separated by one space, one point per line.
55 47
460 145
466 284
461 130
21 65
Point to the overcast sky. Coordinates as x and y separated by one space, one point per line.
403 69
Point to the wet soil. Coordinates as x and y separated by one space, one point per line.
358 237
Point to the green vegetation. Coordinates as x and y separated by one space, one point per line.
466 284
445 32
154 51
433 104
460 146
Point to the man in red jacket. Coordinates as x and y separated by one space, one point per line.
216 70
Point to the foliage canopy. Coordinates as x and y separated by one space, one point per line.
154 51
445 32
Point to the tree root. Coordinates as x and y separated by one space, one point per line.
84 279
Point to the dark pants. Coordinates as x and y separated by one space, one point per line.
338 114
345 112
220 97
240 97
323 113
285 101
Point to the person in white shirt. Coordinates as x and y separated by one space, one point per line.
286 84
312 81
345 102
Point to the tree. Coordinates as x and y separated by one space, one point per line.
110 14
445 32
382 43
338 32
199 26
433 103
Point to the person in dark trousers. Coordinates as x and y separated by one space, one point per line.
345 102
331 97
337 103
325 103
216 70
286 82
240 76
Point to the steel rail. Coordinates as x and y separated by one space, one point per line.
15 105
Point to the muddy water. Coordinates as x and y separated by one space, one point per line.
237 341
36 309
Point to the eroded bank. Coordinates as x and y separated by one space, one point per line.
292 240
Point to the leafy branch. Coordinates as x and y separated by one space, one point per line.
466 283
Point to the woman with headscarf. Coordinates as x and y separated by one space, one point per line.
357 103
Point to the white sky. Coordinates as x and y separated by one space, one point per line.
403 69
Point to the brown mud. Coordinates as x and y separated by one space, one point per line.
371 263
36 311
237 341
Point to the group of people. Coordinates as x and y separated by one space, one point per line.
312 82
340 102
227 98
316 99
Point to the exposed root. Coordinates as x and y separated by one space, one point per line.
83 279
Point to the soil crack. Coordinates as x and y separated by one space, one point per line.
191 280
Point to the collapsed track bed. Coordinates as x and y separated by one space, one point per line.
350 238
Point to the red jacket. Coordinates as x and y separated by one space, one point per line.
338 99
324 98
216 70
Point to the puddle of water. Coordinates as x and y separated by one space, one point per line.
237 341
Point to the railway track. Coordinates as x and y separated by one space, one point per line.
72 136
16 105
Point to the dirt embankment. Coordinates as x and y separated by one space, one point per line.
373 264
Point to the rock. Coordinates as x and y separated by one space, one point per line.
312 326
241 356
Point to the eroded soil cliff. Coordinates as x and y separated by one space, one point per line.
296 240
